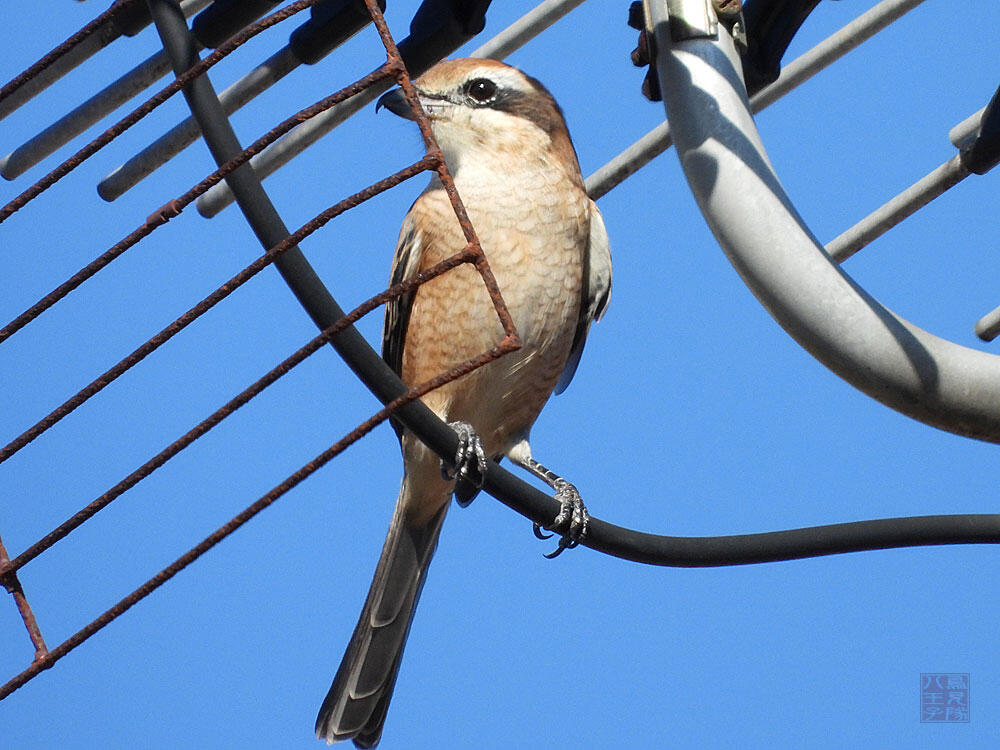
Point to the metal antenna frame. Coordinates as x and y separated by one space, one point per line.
921 375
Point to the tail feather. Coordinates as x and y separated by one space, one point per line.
358 700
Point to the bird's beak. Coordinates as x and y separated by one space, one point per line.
395 102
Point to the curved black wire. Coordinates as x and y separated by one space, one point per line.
514 492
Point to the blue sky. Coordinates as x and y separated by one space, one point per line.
692 413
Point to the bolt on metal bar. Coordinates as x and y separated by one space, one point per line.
152 103
178 138
896 210
83 45
797 72
308 133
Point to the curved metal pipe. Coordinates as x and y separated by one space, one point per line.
921 375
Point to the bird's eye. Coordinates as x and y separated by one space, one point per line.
481 90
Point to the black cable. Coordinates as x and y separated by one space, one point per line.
223 18
509 489
770 26
980 156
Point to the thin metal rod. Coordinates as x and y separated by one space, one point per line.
182 135
831 49
297 141
85 43
93 37
206 304
526 28
797 72
62 131
632 545
270 229
177 205
629 161
988 327
154 101
308 133
896 210
9 580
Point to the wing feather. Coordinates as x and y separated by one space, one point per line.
405 264
596 291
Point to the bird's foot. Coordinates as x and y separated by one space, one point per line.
572 521
470 458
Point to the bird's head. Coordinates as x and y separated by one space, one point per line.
481 108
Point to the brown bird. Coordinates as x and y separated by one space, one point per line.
506 145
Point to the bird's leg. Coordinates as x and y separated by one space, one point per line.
573 519
470 458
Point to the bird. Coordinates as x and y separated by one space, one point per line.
505 143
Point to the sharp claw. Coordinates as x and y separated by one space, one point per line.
572 522
554 553
537 529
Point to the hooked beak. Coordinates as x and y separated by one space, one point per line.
395 102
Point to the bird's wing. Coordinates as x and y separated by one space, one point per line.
596 291
405 263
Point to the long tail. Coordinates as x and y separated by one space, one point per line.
358 700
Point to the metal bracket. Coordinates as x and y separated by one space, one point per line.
692 19
730 13
700 19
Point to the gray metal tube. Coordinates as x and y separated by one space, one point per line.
831 49
903 205
74 57
921 375
291 145
63 130
182 135
988 327
526 28
629 161
284 150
